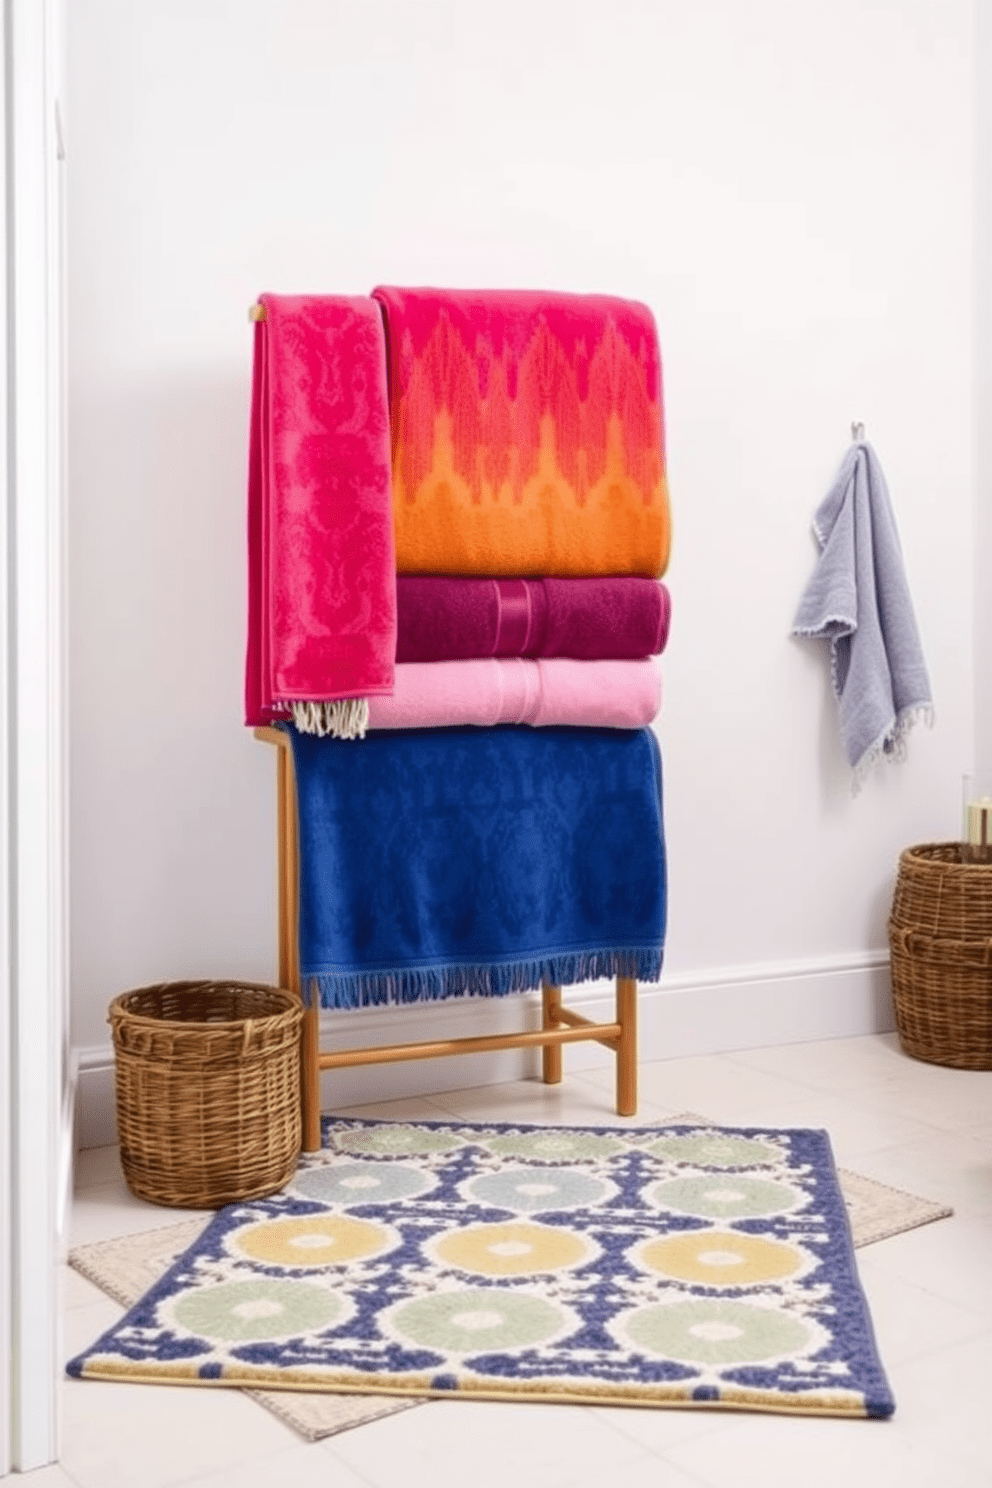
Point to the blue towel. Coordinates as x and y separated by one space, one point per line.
443 862
858 600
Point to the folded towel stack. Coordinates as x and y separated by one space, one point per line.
497 563
531 508
451 476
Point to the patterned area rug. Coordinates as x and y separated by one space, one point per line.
683 1265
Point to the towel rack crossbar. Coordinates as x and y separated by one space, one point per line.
603 1033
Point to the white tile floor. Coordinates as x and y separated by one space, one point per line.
914 1125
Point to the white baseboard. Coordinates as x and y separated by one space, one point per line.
743 1007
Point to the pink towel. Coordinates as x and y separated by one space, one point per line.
322 570
597 694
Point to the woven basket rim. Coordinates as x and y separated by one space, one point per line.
929 853
292 1006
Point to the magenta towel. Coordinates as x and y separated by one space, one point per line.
598 694
322 569
443 619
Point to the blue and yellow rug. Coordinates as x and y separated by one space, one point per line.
672 1266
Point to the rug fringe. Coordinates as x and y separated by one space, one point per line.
347 718
436 983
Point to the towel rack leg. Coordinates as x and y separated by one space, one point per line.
627 1047
310 1078
289 952
551 1053
289 974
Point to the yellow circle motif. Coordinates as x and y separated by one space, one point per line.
512 1249
721 1258
314 1240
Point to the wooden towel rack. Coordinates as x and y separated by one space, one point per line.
558 1024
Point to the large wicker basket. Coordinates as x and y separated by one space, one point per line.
208 1090
940 936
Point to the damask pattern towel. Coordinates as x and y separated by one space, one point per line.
445 619
527 434
437 863
322 573
512 689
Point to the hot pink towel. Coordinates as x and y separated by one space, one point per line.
322 570
440 619
597 694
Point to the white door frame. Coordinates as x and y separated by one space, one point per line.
33 750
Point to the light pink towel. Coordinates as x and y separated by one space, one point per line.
556 690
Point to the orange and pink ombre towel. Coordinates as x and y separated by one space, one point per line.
528 436
322 569
581 694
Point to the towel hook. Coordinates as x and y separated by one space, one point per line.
857 432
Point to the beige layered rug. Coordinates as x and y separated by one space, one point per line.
127 1268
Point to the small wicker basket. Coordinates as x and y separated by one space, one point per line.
208 1090
940 937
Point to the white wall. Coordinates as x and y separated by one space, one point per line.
789 186
983 395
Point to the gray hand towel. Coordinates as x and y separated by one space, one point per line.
858 599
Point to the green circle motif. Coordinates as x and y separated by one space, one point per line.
251 1311
539 1190
718 1333
555 1145
709 1151
349 1185
477 1320
712 1197
396 1141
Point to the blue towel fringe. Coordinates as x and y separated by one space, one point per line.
354 989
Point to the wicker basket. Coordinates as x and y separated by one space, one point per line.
208 1090
940 936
